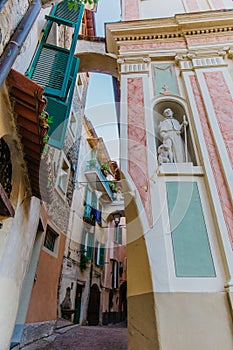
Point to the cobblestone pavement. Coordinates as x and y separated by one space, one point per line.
90 338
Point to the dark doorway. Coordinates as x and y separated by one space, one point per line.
78 299
94 306
123 301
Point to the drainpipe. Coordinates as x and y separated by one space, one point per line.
14 46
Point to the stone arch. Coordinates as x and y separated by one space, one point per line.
179 107
98 62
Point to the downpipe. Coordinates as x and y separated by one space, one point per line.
16 42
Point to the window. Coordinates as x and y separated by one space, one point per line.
88 244
73 124
114 274
51 239
99 253
118 235
63 175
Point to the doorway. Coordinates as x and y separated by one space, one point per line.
94 306
78 299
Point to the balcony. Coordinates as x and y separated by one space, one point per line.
97 180
89 215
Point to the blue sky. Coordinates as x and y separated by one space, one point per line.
100 108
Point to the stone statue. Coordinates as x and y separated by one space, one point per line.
173 149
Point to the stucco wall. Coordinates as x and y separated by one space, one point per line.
10 16
43 303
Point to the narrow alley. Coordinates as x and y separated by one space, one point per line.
85 338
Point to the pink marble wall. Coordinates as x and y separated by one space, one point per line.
209 38
137 145
214 160
223 106
218 4
192 6
130 10
155 45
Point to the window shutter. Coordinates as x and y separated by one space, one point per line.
51 69
61 14
119 236
102 251
60 111
96 252
94 200
52 64
83 241
90 246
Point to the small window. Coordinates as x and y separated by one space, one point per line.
73 124
51 238
118 234
63 176
99 253
114 274
88 244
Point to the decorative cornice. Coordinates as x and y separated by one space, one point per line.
180 28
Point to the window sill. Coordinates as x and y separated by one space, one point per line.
180 169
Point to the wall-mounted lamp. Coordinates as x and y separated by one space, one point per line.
117 218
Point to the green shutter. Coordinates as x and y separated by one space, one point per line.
52 65
83 241
51 69
94 200
60 112
102 251
90 246
61 14
54 68
119 234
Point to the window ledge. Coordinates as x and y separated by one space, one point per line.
180 169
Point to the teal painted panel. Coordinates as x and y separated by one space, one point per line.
61 14
191 248
164 77
60 110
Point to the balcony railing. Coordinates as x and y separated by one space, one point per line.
97 179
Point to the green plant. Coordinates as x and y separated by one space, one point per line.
46 138
104 166
46 118
74 4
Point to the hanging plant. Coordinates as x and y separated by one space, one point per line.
74 4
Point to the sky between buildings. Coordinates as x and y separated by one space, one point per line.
100 107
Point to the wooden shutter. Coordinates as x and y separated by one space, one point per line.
60 111
90 246
94 200
52 65
102 251
61 14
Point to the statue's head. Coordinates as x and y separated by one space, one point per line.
168 113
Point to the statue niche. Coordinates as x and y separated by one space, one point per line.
173 148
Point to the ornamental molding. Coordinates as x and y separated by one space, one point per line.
181 35
134 64
191 62
181 28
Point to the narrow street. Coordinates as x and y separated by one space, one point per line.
87 338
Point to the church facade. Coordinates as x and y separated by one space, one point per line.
175 71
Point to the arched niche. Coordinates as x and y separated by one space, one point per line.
179 109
